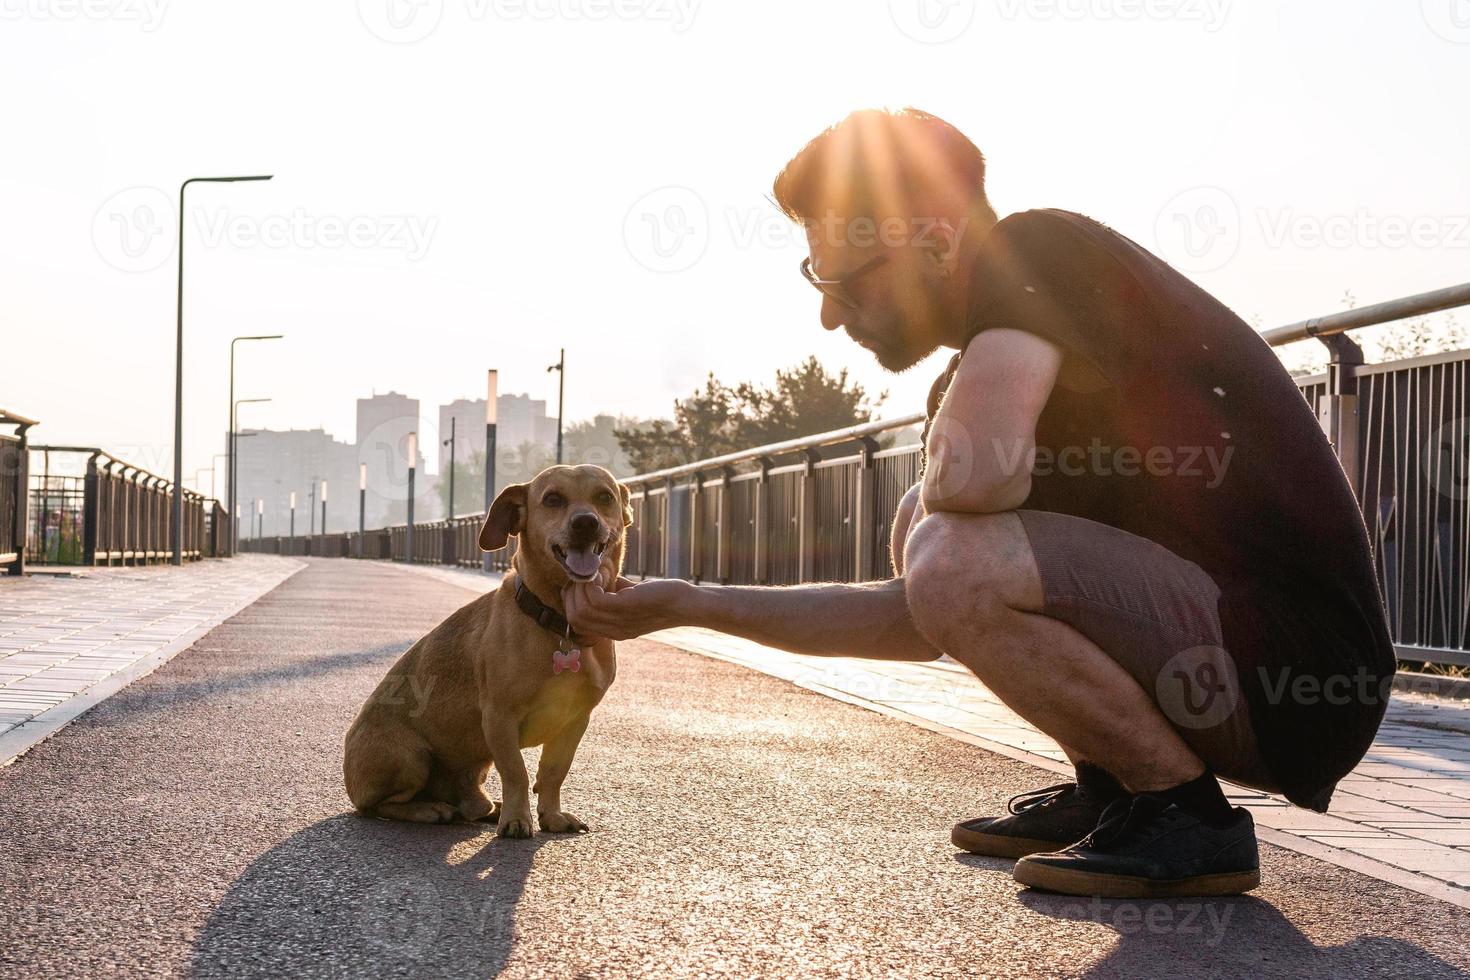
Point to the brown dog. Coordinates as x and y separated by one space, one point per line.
491 679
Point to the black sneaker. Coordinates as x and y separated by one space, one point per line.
1146 847
1041 820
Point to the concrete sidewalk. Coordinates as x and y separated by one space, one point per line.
194 823
68 642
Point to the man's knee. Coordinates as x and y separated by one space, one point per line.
957 577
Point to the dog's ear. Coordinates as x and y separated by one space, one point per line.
627 506
507 516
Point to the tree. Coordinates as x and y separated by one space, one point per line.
718 419
469 485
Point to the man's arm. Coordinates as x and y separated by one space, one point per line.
870 620
984 434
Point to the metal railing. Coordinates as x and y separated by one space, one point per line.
14 462
821 508
116 513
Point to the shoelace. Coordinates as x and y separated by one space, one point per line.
1036 798
1123 819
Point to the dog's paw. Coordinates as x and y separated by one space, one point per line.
517 826
557 822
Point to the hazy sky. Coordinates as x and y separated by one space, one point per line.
463 184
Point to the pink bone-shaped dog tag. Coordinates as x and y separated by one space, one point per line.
566 660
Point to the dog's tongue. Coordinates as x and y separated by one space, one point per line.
583 561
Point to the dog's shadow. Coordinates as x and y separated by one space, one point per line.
356 897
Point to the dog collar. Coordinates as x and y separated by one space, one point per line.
545 616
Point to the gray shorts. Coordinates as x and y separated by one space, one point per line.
1157 615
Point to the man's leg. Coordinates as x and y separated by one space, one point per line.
975 591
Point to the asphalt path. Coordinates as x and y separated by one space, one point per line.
195 824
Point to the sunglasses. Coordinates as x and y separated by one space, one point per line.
836 289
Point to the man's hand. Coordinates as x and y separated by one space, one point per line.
630 611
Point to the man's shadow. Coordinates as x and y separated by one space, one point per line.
1242 936
359 897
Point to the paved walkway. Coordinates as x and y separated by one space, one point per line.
195 824
1402 816
67 642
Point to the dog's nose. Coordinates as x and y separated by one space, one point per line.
586 525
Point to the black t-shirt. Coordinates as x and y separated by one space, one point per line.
1201 442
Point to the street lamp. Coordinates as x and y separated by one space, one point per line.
560 367
259 518
233 476
490 397
324 517
450 443
230 438
413 453
292 539
361 505
178 494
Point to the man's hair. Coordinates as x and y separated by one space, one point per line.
881 163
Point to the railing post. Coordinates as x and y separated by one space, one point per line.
696 533
671 539
865 511
1338 410
642 518
806 518
722 528
762 516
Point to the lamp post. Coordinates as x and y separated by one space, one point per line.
292 539
361 505
560 367
323 549
236 521
230 437
233 476
177 522
413 452
450 443
490 396
259 518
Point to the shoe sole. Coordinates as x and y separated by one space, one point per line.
999 845
1066 881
